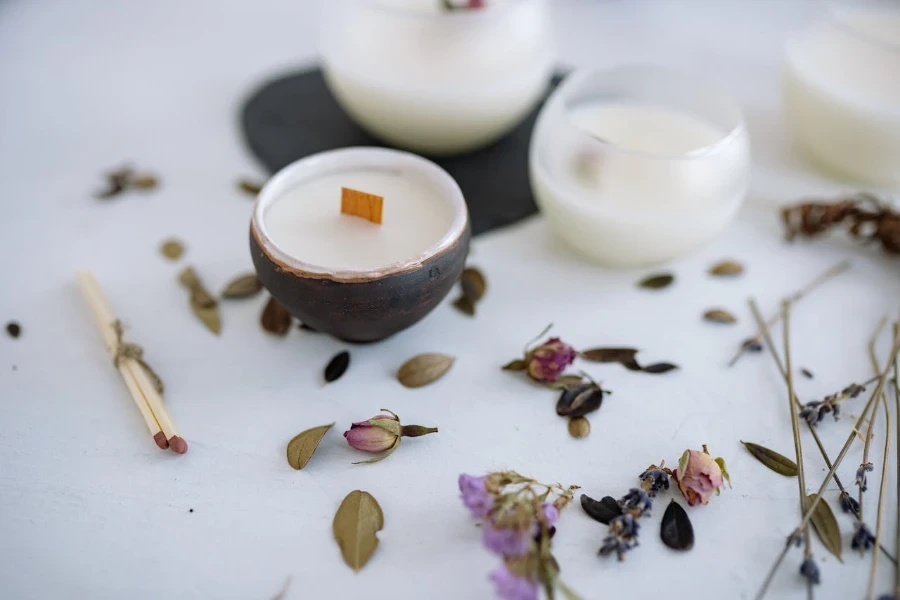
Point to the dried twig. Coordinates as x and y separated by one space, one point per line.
867 218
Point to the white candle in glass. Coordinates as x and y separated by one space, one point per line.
635 166
842 91
433 81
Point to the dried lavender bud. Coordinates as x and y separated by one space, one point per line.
654 479
810 571
623 532
862 538
849 504
861 479
636 502
752 345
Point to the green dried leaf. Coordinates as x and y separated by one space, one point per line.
719 315
777 462
563 382
826 526
516 365
172 249
275 318
355 524
657 281
251 188
243 286
203 304
473 286
301 448
726 268
424 369
465 305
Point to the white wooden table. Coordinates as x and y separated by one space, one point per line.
90 508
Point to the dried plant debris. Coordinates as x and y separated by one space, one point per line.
626 358
423 369
473 285
719 315
726 268
172 249
657 281
123 179
243 286
826 526
251 188
452 5
604 510
301 448
203 304
355 525
275 318
13 329
866 217
676 530
806 373
337 366
579 427
777 462
580 400
306 327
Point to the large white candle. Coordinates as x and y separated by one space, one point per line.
635 166
435 81
842 92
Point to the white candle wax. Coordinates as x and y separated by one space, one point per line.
637 180
432 81
842 92
305 221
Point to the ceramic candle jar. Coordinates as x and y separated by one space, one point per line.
842 91
345 275
435 81
637 165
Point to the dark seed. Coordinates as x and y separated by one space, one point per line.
609 355
604 510
807 373
336 366
659 368
676 532
580 400
657 281
752 345
13 329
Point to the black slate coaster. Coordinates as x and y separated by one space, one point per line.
295 116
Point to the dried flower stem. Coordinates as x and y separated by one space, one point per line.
895 348
896 330
798 295
868 438
795 430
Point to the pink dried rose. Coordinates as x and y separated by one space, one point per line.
382 433
546 362
699 476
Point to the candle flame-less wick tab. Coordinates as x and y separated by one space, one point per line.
361 204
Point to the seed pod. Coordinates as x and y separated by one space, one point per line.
579 400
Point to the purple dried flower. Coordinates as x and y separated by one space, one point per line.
863 538
549 360
636 502
505 541
849 504
551 514
623 532
475 496
654 479
512 587
861 479
810 571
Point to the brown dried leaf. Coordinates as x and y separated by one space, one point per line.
243 286
657 281
659 368
726 268
203 304
473 284
826 526
515 365
172 249
275 318
610 355
355 524
301 448
144 182
251 188
465 305
719 315
424 369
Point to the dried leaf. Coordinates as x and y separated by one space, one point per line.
726 268
144 182
676 531
473 284
465 305
610 355
777 462
604 510
13 329
806 373
250 187
719 315
243 286
516 365
172 249
275 318
826 526
301 448
563 382
204 306
424 369
657 281
580 400
579 427
336 366
355 524
659 368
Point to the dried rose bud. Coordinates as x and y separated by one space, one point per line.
699 476
549 360
382 433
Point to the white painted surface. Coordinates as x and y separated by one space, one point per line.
90 508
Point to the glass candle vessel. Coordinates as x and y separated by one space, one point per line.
436 81
638 165
842 91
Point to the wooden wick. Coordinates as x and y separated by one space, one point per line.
361 204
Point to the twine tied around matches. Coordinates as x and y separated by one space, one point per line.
135 352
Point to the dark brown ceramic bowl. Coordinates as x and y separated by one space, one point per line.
370 305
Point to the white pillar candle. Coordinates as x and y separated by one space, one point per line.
842 92
637 166
301 217
434 81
